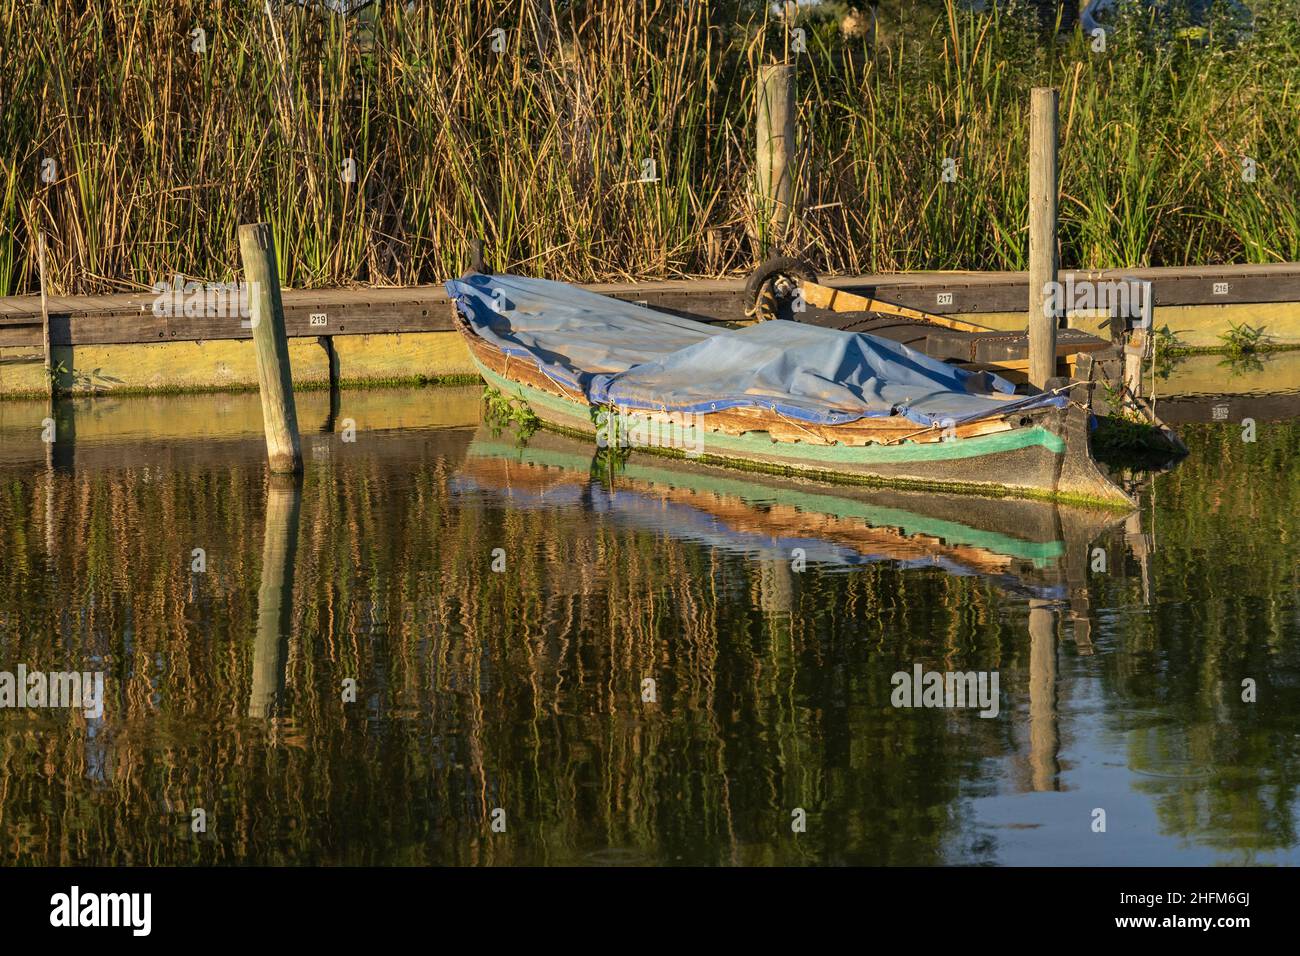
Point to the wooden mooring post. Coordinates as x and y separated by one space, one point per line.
775 145
51 389
50 383
275 378
1043 190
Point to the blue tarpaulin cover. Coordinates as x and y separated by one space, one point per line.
632 357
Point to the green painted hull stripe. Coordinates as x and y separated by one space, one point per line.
909 523
761 447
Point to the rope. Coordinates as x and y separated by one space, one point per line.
904 438
797 424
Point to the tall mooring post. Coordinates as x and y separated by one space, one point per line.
1043 191
274 376
51 379
775 145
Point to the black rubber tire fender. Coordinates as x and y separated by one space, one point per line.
769 270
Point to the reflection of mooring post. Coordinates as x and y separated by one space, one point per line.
1043 188
332 356
1081 619
776 587
1043 738
60 459
275 597
49 507
776 142
1140 546
1077 558
274 376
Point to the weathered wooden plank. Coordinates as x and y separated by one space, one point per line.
999 345
127 318
1007 292
301 319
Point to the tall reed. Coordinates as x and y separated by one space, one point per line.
378 145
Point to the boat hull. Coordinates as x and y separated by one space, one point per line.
1044 457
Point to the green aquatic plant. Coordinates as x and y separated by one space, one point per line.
1128 439
1240 343
611 441
94 381
1167 350
500 411
1125 436
1243 339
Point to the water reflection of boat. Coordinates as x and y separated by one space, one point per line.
1039 549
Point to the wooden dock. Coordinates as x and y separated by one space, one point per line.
129 319
371 335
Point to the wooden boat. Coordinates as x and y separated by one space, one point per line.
1038 452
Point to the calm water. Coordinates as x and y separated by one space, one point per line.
1120 688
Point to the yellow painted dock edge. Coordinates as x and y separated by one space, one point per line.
414 358
230 365
1195 326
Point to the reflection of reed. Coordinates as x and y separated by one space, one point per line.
522 689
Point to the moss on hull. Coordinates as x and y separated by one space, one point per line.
983 490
